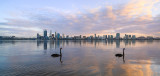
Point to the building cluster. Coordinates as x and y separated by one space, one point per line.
55 36
58 36
15 38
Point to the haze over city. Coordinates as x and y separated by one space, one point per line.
26 18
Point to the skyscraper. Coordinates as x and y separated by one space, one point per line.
45 33
67 36
106 37
58 36
133 36
63 36
117 35
50 33
55 35
129 36
38 36
109 36
126 36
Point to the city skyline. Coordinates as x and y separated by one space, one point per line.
58 36
26 18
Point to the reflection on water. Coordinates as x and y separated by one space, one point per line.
80 58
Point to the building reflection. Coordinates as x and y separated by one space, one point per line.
117 43
45 45
56 44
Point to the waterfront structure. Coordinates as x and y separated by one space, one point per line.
63 36
84 37
134 37
109 37
58 36
45 34
126 36
150 37
55 35
67 36
77 37
52 35
91 37
117 35
129 37
141 38
104 36
98 37
38 36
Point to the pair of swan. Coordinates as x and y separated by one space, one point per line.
57 55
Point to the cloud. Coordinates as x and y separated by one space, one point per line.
133 17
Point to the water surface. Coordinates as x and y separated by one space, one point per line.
80 58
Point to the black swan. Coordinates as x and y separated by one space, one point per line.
57 55
120 55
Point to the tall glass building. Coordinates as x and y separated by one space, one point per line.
58 36
117 35
45 33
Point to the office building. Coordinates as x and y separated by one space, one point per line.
133 36
63 36
104 36
52 35
58 36
38 36
129 37
55 35
95 36
126 36
67 36
117 35
111 36
45 33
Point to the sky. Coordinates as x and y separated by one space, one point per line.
26 18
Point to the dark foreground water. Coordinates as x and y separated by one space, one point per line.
79 58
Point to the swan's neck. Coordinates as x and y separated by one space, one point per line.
123 52
60 52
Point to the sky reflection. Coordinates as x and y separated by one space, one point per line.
79 58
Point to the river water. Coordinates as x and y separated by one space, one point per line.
80 58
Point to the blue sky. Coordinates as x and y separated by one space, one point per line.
25 18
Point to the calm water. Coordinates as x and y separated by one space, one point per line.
79 58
